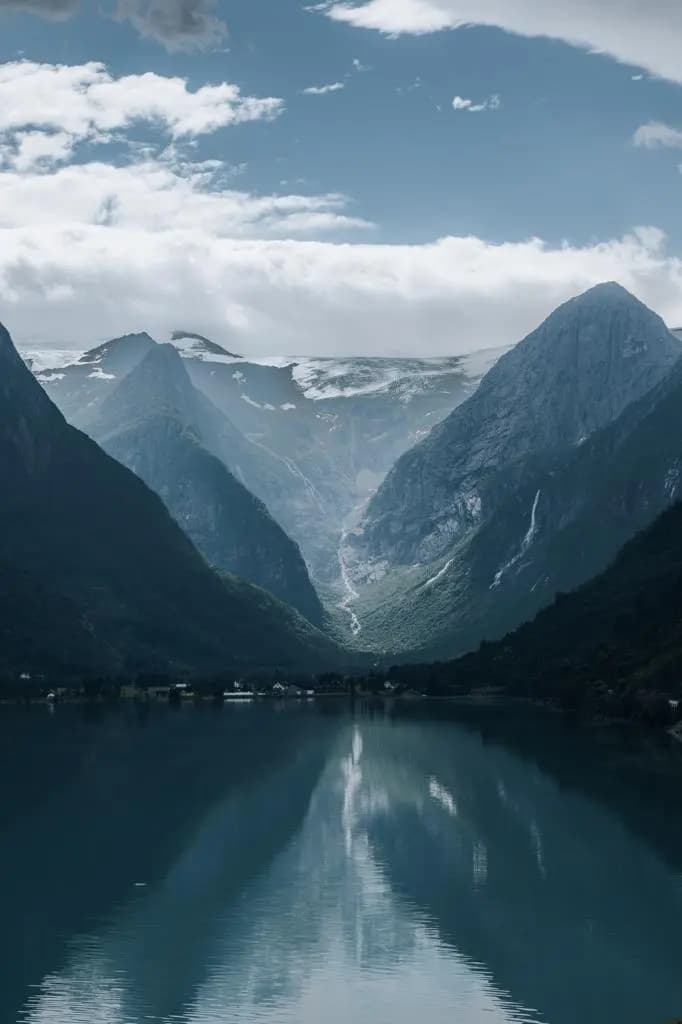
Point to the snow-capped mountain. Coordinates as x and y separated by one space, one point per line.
156 423
95 574
329 428
196 346
430 512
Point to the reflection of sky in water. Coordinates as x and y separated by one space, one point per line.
428 879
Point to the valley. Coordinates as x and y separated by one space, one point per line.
311 438
409 508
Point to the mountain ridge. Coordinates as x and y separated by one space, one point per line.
311 437
154 422
525 403
514 546
77 523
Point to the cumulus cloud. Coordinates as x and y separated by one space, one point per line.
176 24
656 135
86 101
322 90
46 110
73 285
493 102
23 151
647 35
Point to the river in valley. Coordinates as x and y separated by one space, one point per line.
303 863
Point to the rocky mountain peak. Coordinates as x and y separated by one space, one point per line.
8 353
21 397
196 346
158 386
576 373
117 349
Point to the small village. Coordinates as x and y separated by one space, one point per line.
35 689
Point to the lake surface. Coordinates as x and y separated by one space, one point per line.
302 864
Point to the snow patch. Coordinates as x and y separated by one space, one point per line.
195 347
324 379
250 401
99 374
38 359
287 407
48 378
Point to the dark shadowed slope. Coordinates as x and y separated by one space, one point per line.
575 374
78 524
620 632
154 422
543 486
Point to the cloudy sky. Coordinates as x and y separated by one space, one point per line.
377 176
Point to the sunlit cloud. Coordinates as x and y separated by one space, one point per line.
647 35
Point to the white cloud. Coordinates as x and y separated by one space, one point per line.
154 193
322 90
46 110
86 101
72 285
25 151
647 35
492 103
656 135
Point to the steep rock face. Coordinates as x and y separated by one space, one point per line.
589 360
83 536
587 504
547 521
152 423
311 437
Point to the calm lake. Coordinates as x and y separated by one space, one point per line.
303 864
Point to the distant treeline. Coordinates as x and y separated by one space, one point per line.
612 648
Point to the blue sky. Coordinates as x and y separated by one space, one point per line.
386 162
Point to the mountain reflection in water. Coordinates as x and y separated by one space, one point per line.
299 866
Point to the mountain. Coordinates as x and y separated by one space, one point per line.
105 579
565 516
196 346
464 540
616 635
322 433
154 423
577 372
87 381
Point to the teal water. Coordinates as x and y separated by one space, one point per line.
309 865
